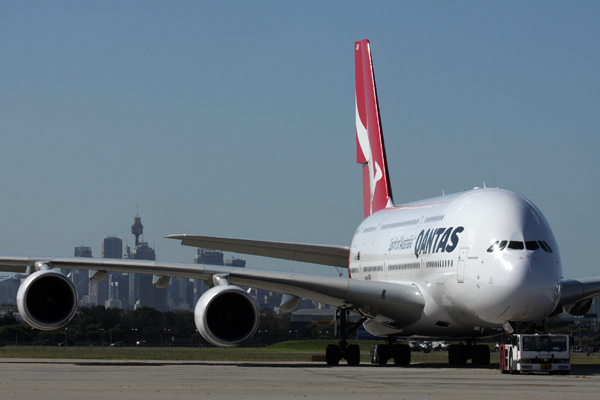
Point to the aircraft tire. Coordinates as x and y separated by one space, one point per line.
353 354
332 355
379 354
373 354
402 355
481 355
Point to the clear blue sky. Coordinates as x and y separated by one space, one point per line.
236 118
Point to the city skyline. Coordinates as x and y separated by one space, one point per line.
237 119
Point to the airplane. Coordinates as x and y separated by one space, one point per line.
461 266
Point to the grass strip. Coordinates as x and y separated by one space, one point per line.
300 351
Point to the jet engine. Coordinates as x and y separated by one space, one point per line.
580 308
47 300
226 316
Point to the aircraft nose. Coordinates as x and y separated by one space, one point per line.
531 289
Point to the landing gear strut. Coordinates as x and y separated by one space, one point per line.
351 352
381 353
458 354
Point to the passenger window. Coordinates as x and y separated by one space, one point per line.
502 245
516 245
532 245
493 247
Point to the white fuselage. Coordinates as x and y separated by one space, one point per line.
443 245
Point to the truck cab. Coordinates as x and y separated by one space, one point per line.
536 353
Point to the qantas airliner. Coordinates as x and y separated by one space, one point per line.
467 265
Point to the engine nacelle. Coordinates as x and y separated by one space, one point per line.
580 308
47 300
226 316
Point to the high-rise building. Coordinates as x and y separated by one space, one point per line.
112 247
83 251
208 257
9 288
177 294
118 289
80 278
98 292
113 296
141 291
236 262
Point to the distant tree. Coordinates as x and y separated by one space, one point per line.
18 333
8 319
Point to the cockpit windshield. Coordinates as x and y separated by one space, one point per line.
530 245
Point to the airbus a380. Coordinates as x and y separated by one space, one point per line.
465 265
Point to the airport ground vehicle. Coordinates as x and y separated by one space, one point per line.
536 353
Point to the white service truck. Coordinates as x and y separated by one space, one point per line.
536 353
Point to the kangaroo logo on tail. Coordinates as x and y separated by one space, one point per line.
370 149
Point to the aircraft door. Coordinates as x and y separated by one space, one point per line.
462 259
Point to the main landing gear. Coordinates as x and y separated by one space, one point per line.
458 354
381 353
351 352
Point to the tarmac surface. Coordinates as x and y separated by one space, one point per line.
85 379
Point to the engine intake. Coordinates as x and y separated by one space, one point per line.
47 300
226 316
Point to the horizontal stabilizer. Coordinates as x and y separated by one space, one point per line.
336 256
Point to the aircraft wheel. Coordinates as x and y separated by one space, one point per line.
402 355
481 355
379 354
353 354
373 354
332 354
452 354
457 354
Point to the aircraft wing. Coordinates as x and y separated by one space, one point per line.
397 304
336 256
577 294
191 271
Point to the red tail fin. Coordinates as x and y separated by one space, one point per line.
370 150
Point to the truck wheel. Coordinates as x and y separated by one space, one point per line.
511 365
503 362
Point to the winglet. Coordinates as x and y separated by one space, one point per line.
370 149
